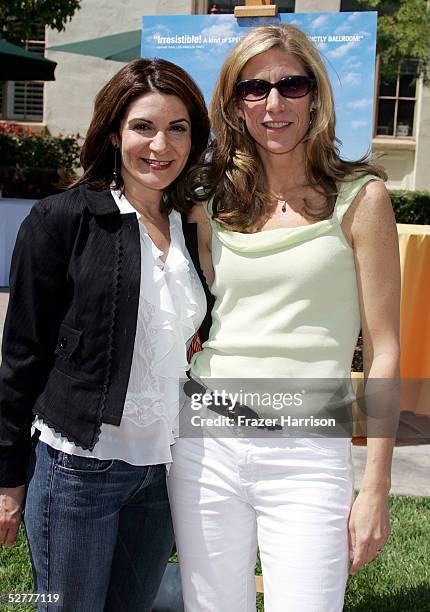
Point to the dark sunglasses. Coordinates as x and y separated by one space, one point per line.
295 86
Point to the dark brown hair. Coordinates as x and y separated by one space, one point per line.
133 80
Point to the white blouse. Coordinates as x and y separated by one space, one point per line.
172 305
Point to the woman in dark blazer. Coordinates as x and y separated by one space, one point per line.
104 296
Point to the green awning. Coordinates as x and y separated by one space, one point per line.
122 47
17 64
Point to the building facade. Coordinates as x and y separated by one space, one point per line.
402 109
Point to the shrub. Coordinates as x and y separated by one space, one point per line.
411 206
34 166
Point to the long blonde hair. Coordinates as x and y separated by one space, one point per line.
231 171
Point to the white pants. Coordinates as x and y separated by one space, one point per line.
290 496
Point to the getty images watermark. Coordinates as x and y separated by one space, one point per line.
231 409
284 407
300 407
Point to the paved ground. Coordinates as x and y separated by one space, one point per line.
411 464
411 469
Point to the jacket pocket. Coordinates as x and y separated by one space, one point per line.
68 341
71 407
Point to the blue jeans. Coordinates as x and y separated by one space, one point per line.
99 532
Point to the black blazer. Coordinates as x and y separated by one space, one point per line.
70 328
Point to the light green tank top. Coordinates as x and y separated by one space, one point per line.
286 301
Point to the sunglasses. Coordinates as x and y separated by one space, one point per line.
295 86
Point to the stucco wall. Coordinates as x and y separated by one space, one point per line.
317 6
399 166
422 165
407 165
69 99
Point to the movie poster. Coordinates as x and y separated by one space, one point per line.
347 42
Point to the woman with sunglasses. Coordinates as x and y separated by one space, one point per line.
300 240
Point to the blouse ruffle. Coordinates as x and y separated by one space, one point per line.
173 297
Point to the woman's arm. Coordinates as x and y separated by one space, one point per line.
204 236
37 291
375 242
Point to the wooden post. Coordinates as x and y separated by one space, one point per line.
259 585
256 8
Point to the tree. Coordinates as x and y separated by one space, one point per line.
403 31
18 17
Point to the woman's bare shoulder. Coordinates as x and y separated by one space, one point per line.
372 211
198 214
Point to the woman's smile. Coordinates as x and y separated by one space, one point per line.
276 126
157 165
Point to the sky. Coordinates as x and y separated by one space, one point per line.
346 41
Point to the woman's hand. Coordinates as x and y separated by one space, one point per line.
369 527
11 503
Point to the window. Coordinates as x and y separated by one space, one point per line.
23 100
350 6
396 102
227 6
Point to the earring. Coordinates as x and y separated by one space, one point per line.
312 115
115 166
241 125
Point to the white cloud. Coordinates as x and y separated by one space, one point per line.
358 123
354 16
343 27
351 59
360 104
159 29
342 50
352 78
221 28
351 65
319 22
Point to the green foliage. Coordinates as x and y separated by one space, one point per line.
403 31
18 17
15 572
398 580
33 166
411 206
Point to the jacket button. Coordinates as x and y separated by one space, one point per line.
63 342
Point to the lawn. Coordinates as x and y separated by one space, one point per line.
398 581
